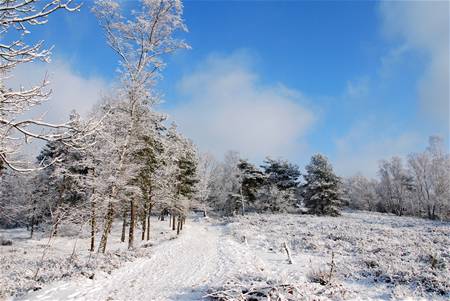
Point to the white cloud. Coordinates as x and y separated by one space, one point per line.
227 107
423 26
365 145
70 91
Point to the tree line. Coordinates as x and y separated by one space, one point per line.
236 186
417 186
122 160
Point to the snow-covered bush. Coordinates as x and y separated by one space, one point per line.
255 288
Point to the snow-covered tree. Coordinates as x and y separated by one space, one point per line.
16 199
283 174
66 190
183 157
140 38
362 192
17 19
225 185
150 158
395 185
206 166
281 185
251 179
321 190
431 176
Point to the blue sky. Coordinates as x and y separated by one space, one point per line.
357 81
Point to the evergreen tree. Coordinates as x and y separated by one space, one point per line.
321 191
187 164
279 193
62 184
251 179
281 173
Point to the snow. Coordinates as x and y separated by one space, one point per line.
179 269
20 261
377 257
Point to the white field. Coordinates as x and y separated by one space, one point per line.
377 257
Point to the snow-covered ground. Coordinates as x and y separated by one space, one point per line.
376 257
178 269
65 256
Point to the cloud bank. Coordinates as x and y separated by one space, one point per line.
70 91
364 145
227 107
424 26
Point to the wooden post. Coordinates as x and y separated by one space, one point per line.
288 252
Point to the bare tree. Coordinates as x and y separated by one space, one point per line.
431 173
206 166
17 18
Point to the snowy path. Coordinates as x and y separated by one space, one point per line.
180 269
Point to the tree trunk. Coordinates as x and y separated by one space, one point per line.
148 221
124 224
56 222
144 223
32 226
242 203
58 205
93 225
173 221
181 223
107 228
178 225
144 227
132 224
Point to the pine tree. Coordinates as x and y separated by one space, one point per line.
61 186
251 179
150 155
321 191
279 193
283 174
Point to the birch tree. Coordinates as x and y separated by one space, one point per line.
206 166
431 174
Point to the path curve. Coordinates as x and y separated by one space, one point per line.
179 269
